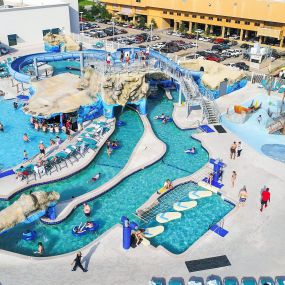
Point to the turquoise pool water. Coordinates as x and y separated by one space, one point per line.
180 234
255 134
60 67
16 123
123 199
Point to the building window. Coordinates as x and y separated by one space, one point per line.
55 31
247 23
237 22
171 13
45 32
178 14
219 19
12 40
257 24
186 14
202 17
138 1
211 18
228 20
194 16
164 12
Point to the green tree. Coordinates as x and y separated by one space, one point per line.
182 28
141 22
154 24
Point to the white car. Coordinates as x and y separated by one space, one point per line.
176 34
207 39
194 44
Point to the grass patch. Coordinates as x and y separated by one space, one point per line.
83 3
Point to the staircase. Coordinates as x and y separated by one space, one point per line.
210 111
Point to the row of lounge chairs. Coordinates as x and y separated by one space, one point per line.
216 280
274 87
71 154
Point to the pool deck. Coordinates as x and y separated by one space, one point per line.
10 185
148 150
254 245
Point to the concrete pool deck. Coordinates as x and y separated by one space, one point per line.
254 243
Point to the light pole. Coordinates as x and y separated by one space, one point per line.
151 25
197 34
113 24
80 21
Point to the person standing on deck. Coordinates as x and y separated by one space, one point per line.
265 198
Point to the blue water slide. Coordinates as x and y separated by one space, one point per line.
17 65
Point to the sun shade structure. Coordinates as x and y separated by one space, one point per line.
58 94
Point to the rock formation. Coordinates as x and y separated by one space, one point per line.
25 206
61 40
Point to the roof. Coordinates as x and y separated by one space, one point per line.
57 94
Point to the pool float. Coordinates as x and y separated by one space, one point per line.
121 123
190 151
115 147
29 235
184 206
96 177
167 217
208 186
199 194
84 229
154 231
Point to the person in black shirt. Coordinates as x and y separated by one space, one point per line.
77 262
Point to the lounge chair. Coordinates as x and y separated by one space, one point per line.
214 280
176 281
265 280
157 281
71 152
248 281
27 172
50 165
61 157
280 280
231 281
65 156
196 281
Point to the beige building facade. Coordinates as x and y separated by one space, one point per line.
262 20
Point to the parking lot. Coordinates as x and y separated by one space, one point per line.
174 44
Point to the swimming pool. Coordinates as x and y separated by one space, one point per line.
255 134
123 199
180 234
16 123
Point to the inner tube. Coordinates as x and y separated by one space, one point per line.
115 147
85 230
29 235
121 123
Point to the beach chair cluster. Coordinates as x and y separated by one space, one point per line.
94 133
68 156
275 87
216 280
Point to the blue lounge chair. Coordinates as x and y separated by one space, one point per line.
231 281
196 281
157 281
265 280
214 279
248 281
280 280
176 281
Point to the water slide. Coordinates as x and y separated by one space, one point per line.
17 65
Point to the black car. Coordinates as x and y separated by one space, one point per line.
246 46
242 66
217 47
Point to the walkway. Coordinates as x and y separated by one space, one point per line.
148 150
10 185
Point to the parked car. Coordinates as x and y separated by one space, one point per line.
242 66
246 46
218 41
213 58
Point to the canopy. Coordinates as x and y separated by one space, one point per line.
58 94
